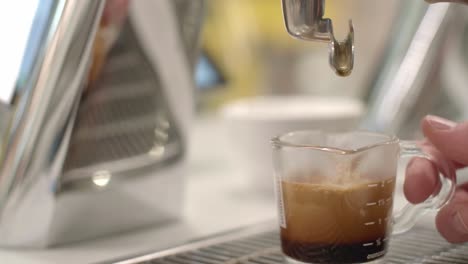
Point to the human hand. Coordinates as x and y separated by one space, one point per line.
447 143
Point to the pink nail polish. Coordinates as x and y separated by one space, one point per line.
439 123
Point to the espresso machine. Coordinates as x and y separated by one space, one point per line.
95 127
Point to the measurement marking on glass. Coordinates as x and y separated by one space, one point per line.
368 244
372 185
390 181
388 199
369 223
371 204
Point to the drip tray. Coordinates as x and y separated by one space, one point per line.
261 245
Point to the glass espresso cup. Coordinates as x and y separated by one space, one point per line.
335 195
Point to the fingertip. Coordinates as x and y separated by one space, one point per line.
448 137
443 220
451 219
420 181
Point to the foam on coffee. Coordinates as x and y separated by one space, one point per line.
332 222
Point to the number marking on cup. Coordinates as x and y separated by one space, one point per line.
368 244
371 204
372 185
369 223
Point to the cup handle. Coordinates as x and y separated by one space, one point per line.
406 218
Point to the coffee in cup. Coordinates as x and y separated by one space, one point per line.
328 223
335 195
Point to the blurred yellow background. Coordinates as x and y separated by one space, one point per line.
247 40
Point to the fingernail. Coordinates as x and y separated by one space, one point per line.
439 123
459 224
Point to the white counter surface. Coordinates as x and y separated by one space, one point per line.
217 199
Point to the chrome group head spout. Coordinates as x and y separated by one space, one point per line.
304 20
342 53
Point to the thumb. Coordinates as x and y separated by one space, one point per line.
450 138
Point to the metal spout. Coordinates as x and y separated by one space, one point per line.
304 20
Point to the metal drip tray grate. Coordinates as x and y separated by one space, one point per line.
261 245
123 119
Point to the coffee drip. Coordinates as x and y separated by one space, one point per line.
304 20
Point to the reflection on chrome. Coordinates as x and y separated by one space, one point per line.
157 151
161 135
162 121
101 178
